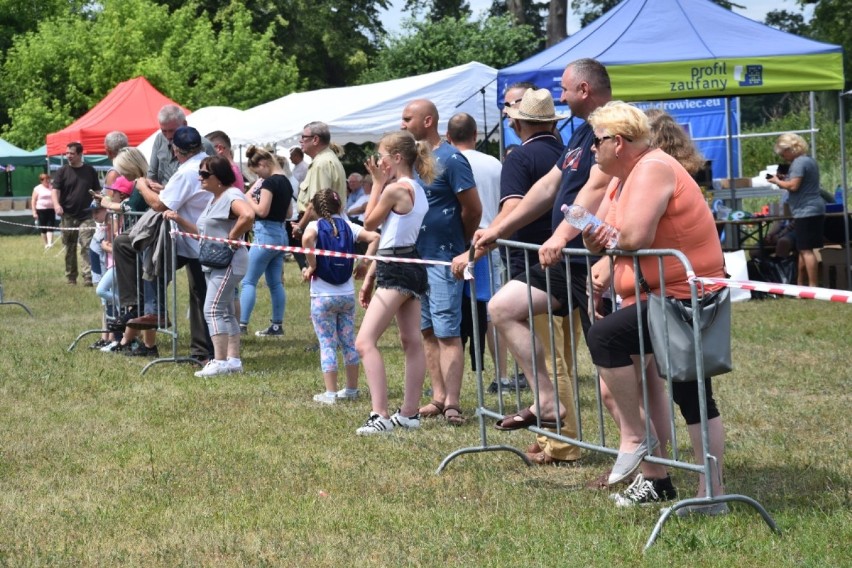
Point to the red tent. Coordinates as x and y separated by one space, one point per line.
131 107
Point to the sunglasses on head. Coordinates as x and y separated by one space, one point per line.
204 174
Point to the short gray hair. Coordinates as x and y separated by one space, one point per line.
171 113
115 141
320 130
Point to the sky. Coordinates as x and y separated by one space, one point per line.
755 9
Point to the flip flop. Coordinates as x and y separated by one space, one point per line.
524 419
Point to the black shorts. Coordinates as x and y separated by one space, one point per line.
810 232
407 278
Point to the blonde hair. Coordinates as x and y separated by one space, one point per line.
131 163
256 155
620 118
416 154
792 142
671 138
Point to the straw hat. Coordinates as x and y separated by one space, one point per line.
536 106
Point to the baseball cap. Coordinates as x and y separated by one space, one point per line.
186 138
121 185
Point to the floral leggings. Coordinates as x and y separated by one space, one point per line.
334 323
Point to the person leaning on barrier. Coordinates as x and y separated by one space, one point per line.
654 204
183 194
227 216
573 179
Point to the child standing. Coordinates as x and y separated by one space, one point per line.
397 203
333 291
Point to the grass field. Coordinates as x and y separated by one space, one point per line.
100 465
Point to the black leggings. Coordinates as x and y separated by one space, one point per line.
613 339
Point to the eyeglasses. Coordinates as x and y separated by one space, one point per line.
598 141
204 174
378 156
510 104
306 136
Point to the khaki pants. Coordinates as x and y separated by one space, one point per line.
563 378
71 240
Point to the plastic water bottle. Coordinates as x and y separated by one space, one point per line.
838 194
580 217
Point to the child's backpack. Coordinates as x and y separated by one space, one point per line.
332 269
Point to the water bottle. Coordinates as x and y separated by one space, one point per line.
838 194
580 217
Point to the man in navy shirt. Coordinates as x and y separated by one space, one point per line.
453 216
585 87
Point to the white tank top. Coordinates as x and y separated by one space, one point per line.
403 230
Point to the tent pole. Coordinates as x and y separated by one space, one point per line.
734 237
844 198
812 103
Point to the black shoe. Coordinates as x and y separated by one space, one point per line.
120 322
143 350
124 349
99 343
520 383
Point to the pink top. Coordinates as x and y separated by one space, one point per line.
44 197
687 225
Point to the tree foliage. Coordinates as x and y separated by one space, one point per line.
832 23
530 12
438 9
56 73
431 46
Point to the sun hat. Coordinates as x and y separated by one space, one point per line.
121 185
186 138
536 106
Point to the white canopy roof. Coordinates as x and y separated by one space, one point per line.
364 112
207 119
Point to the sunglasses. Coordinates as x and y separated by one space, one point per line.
598 141
204 174
510 104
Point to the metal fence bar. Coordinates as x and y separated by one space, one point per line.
708 465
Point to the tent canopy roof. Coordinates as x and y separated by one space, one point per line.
131 107
362 113
11 154
664 49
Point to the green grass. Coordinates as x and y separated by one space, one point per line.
100 465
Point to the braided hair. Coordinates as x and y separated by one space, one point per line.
326 203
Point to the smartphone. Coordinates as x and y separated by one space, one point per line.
768 176
94 193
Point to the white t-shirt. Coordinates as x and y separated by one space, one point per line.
486 172
320 287
183 194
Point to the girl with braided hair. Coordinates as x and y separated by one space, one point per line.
333 291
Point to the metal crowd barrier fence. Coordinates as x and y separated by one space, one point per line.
708 467
4 302
163 301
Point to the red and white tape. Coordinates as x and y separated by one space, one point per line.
321 252
37 227
804 292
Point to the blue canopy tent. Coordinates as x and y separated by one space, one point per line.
685 49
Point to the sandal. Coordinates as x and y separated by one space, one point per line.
454 419
425 412
524 419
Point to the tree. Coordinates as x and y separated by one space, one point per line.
56 73
787 21
529 12
439 9
832 22
591 10
431 46
556 16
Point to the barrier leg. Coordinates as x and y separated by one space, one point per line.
12 302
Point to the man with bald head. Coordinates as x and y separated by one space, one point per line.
453 216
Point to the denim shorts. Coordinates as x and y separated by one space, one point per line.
403 277
441 309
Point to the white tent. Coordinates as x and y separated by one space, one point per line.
207 119
364 112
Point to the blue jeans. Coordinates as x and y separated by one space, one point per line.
265 262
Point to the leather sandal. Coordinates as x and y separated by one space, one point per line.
454 419
425 412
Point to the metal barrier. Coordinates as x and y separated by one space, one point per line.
4 302
708 468
117 223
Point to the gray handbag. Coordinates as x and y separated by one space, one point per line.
675 316
213 254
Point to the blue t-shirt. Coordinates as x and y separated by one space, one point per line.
576 162
442 233
521 169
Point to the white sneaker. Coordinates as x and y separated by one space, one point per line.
109 347
407 422
324 398
375 424
213 368
343 395
234 366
